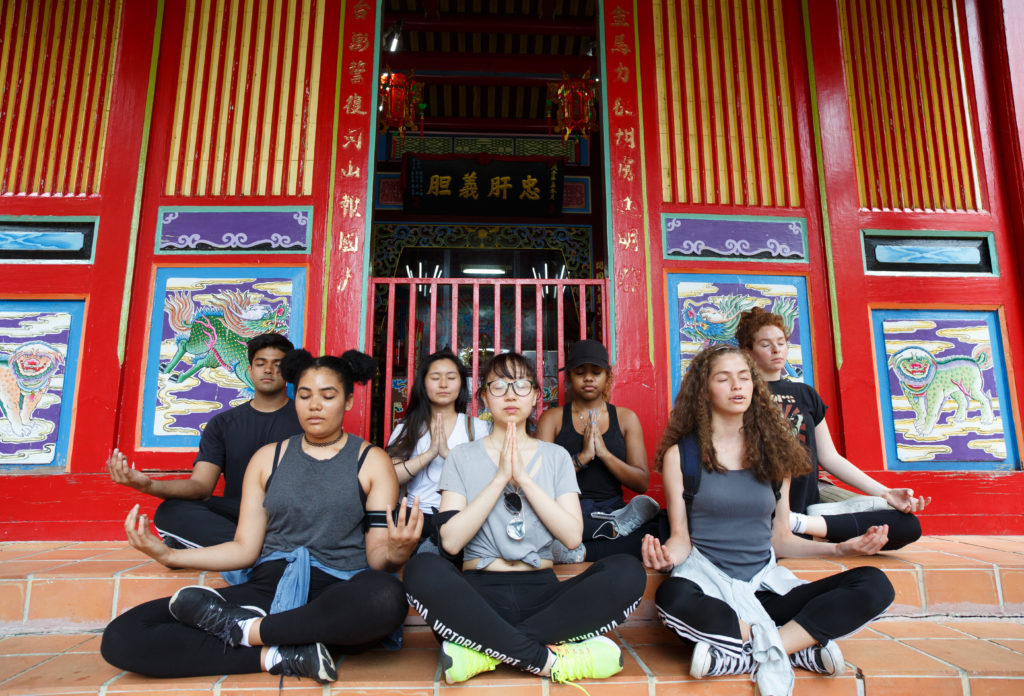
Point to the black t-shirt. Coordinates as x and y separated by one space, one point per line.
596 481
232 437
805 410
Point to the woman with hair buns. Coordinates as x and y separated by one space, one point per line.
320 581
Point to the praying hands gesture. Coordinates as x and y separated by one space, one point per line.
510 461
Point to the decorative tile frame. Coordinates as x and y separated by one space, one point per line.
703 309
63 239
734 237
929 253
228 303
49 331
234 229
943 390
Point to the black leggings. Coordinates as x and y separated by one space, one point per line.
827 608
514 616
904 528
348 615
192 523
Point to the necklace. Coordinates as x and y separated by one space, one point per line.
323 444
586 414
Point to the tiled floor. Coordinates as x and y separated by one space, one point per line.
957 628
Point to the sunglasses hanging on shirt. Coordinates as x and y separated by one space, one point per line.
516 527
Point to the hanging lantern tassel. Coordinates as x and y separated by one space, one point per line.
575 101
400 98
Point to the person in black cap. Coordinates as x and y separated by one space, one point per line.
607 448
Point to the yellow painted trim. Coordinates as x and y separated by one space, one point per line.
287 38
27 69
53 117
788 130
314 102
249 168
760 124
220 147
235 149
218 62
202 50
64 161
642 174
94 106
664 129
115 35
975 202
717 139
943 122
746 124
774 152
734 178
173 161
297 125
271 79
43 115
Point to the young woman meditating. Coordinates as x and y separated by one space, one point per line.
435 421
763 335
726 459
504 499
319 580
607 448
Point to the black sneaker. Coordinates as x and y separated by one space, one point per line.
823 659
313 661
205 608
710 661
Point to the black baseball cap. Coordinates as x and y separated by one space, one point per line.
587 352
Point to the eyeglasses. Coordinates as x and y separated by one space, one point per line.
500 387
516 527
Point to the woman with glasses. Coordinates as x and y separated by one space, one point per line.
435 421
726 459
763 335
504 499
607 448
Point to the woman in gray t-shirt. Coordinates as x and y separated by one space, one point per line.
505 498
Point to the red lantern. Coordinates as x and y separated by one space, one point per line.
400 100
575 104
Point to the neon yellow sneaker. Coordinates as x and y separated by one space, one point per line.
596 658
462 663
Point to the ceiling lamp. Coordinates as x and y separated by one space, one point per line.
574 102
400 100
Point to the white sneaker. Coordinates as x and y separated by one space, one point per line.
860 503
710 661
823 659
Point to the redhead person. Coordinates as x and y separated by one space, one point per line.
763 335
435 421
319 580
504 499
726 458
606 444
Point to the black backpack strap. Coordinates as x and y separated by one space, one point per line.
273 467
362 456
689 461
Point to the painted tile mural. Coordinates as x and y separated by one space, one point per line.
705 309
942 377
197 364
39 347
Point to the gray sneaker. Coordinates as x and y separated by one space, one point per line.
860 503
639 510
562 555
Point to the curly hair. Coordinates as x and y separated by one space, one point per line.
417 418
351 367
771 450
753 321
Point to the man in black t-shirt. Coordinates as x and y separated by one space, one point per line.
190 516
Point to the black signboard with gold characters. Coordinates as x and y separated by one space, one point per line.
482 185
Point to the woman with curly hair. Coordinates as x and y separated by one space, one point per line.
504 499
726 459
763 335
606 444
319 579
435 421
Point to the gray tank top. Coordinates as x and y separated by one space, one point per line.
318 504
731 521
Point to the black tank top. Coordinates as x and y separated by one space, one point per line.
596 481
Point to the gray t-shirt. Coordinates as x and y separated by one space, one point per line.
731 521
467 472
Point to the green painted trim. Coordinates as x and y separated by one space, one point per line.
133 237
161 210
819 165
371 168
741 218
609 266
642 173
94 219
329 236
918 234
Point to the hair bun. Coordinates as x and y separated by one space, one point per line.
294 363
359 365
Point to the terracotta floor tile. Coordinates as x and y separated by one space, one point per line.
418 638
887 657
666 661
150 691
939 559
812 575
66 553
1004 559
868 632
908 628
881 560
249 683
503 675
818 564
212 579
134 591
12 600
646 633
152 569
908 591
709 687
88 569
340 689
996 687
135 682
402 668
976 657
1012 582
92 644
1007 542
989 629
923 686
948 590
1014 644
76 600
49 643
16 549
530 687
74 672
13 665
817 685
16 570
608 687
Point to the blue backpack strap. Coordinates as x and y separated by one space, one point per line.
689 461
